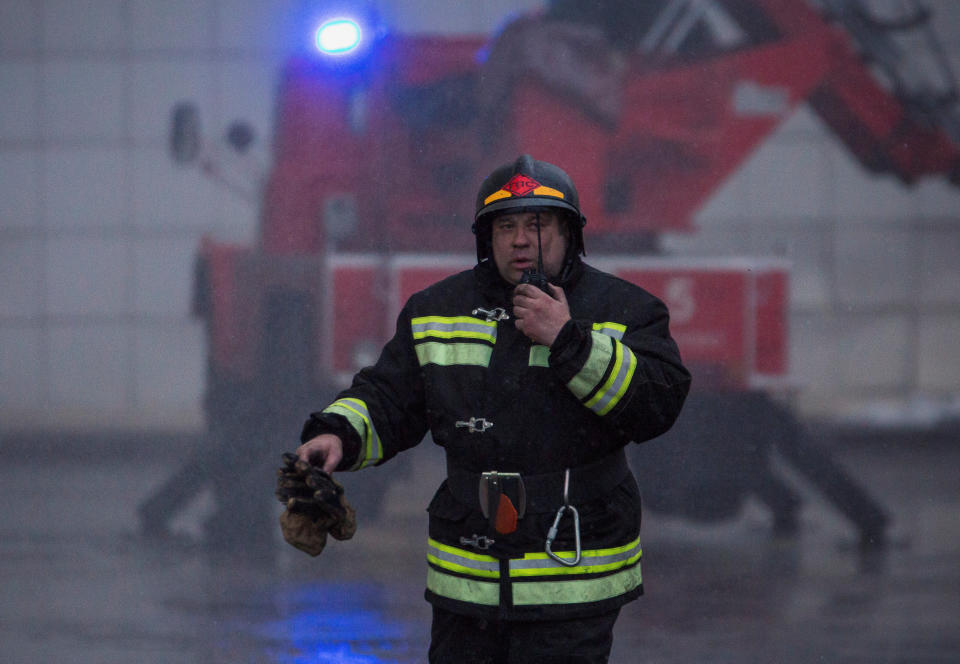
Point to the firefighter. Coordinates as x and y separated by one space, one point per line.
533 371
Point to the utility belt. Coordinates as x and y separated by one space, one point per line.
504 497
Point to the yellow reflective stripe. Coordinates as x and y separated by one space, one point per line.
617 363
588 553
448 327
547 191
462 569
539 356
462 553
576 591
473 591
593 370
623 383
615 330
358 415
558 569
461 560
617 384
496 196
592 561
434 352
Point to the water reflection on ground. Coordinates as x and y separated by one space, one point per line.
79 585
337 622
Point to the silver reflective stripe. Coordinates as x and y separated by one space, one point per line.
596 561
462 561
453 327
617 383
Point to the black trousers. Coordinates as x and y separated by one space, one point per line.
463 640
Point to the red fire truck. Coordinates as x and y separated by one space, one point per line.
380 145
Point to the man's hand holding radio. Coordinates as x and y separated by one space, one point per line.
538 315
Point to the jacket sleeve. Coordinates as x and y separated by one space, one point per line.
628 373
382 412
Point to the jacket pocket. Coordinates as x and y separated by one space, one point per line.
444 506
614 516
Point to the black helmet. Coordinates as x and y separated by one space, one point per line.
528 184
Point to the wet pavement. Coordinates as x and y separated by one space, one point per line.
80 585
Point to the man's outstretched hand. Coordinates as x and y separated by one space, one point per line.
326 451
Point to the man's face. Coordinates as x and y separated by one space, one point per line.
515 244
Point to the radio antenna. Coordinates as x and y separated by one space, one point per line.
539 247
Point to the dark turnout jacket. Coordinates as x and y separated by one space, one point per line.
458 367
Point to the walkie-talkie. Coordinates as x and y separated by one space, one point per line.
537 277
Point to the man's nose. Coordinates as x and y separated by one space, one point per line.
521 237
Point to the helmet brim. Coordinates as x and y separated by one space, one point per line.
525 202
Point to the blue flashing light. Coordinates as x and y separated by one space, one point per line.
338 36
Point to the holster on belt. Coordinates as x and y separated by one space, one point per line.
495 489
504 497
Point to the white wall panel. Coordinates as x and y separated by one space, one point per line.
21 377
89 370
83 100
84 187
440 16
940 267
87 276
875 266
238 220
815 354
939 357
937 198
170 365
784 180
167 195
874 353
862 195
96 25
163 276
729 239
726 205
171 25
19 99
19 188
19 26
257 25
21 277
808 245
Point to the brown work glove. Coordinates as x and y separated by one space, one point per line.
315 506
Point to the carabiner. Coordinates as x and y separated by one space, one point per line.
552 533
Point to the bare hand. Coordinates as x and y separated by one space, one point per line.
325 449
538 315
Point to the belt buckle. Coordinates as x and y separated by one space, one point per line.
496 490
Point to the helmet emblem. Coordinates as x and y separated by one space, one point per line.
520 185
